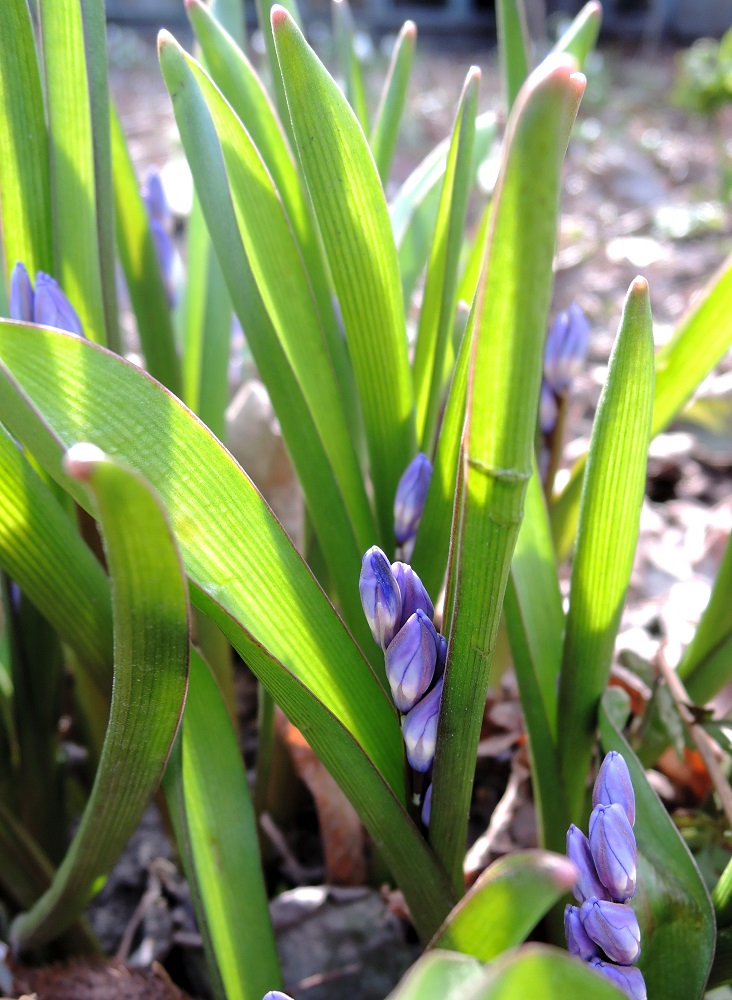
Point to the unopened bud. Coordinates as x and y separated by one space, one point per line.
410 496
52 308
410 660
579 853
427 806
21 294
419 729
547 409
579 943
614 927
613 785
566 348
380 597
411 588
628 978
441 656
614 850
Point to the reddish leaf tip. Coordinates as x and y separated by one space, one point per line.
409 28
278 16
164 38
639 285
81 458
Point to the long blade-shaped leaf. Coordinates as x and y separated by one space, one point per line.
439 302
503 390
538 971
615 480
351 212
264 11
393 98
213 814
151 667
580 37
247 576
506 903
513 46
24 173
344 32
141 268
672 904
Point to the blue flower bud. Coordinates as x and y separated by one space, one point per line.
52 308
579 853
21 294
414 596
380 597
276 995
427 806
614 927
628 978
566 348
153 194
441 656
579 943
614 850
410 497
613 785
547 409
410 660
419 729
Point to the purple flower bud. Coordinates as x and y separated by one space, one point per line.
579 943
614 927
21 294
410 497
52 308
153 194
626 977
613 785
427 806
410 660
419 729
441 656
380 597
165 251
547 409
614 850
276 995
414 596
566 348
578 852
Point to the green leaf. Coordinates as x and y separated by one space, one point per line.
25 189
413 210
246 575
385 131
212 814
264 11
263 268
438 975
612 496
77 164
351 212
151 666
513 46
508 327
538 971
506 903
344 32
141 268
672 904
439 302
700 342
581 36
706 666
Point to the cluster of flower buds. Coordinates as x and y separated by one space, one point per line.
603 930
400 612
46 305
410 497
564 355
158 212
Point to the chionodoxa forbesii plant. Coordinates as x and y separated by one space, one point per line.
293 234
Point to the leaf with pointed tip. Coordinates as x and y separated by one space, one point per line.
581 36
509 328
506 903
344 32
615 479
353 219
385 131
513 46
150 609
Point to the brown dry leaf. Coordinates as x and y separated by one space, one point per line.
84 980
340 828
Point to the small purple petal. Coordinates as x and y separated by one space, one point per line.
441 656
52 308
410 660
627 977
380 597
614 927
410 496
414 596
21 294
613 785
579 943
578 851
419 729
427 806
614 850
